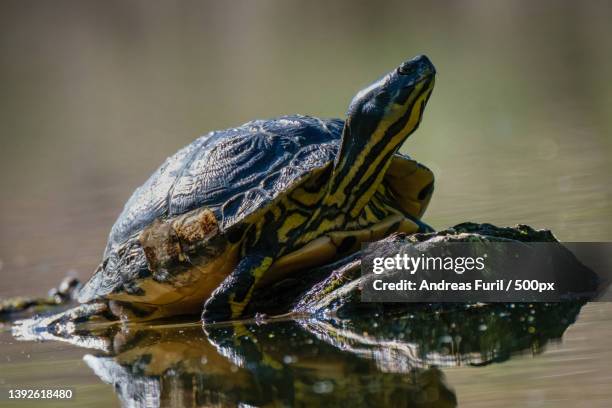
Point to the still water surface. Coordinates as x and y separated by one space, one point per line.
517 131
506 355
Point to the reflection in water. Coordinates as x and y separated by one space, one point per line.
374 361
449 336
256 365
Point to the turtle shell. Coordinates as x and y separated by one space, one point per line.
234 173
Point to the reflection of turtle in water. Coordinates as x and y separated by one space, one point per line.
279 364
236 209
321 363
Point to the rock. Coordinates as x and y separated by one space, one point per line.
336 289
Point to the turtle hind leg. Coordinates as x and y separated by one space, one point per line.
64 324
229 300
69 326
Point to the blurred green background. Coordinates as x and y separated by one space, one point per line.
96 94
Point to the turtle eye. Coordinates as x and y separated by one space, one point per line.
407 68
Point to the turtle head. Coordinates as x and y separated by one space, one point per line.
379 119
391 107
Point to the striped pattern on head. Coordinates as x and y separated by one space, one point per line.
379 120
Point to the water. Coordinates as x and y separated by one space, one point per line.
420 358
95 96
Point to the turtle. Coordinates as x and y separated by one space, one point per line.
240 208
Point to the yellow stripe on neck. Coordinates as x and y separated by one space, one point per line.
338 197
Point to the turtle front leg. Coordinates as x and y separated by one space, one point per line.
229 300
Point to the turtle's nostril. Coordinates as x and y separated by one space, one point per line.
407 68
